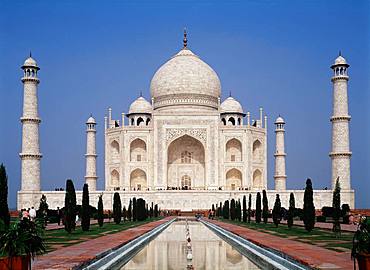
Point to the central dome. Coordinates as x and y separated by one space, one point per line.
185 79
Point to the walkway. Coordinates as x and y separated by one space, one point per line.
322 225
72 256
313 256
55 226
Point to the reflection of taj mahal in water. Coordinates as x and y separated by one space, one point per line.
185 149
168 251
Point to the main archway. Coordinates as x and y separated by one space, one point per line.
186 160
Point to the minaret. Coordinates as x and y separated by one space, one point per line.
280 175
90 176
340 152
30 155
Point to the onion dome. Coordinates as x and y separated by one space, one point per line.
91 120
340 60
185 80
30 62
140 105
279 120
231 105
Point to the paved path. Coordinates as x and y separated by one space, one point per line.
313 256
72 256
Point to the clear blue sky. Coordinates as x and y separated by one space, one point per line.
274 54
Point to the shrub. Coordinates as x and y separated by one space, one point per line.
321 219
42 212
327 211
156 211
308 207
4 209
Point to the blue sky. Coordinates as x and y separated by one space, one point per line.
96 54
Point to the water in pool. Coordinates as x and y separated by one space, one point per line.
169 250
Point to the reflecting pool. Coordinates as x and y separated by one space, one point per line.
169 249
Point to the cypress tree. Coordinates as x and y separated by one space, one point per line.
85 209
308 207
141 211
100 211
124 213
336 208
221 210
43 209
156 211
213 208
249 208
258 208
117 208
276 211
265 207
239 211
244 209
129 211
70 207
4 208
226 210
291 210
152 210
134 209
232 210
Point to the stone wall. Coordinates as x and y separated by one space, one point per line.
185 200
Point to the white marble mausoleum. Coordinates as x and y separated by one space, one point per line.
185 148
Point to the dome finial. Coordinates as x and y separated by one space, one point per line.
229 93
30 53
340 53
141 93
185 40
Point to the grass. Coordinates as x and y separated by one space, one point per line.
60 238
317 237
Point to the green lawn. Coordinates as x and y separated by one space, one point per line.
318 237
60 238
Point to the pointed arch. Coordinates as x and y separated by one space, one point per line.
257 150
114 145
138 180
233 179
138 152
114 178
233 150
257 179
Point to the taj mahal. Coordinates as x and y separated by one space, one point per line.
185 148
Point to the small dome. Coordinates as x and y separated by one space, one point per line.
91 120
185 74
140 105
230 105
340 60
30 62
279 120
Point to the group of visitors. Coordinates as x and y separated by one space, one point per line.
29 213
